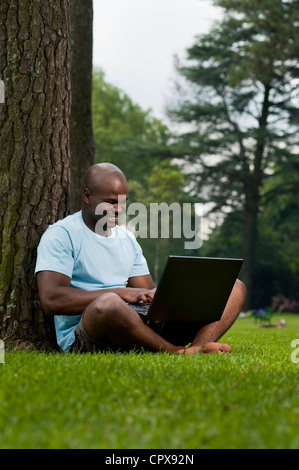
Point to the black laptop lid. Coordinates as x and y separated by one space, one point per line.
194 289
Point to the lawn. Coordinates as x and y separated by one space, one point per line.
244 400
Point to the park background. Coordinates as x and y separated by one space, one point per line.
220 128
222 131
225 133
222 117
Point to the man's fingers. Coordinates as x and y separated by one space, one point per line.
150 295
143 297
146 296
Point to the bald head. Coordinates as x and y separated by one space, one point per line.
102 175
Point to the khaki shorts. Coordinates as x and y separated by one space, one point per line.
84 343
177 332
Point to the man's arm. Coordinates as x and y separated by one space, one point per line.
144 282
58 298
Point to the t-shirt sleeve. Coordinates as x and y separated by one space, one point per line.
55 252
140 267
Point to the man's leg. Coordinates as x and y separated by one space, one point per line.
214 331
112 323
205 335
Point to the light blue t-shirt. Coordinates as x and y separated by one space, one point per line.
91 261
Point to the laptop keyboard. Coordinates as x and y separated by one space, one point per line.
141 308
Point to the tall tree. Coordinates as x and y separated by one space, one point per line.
82 142
34 150
240 115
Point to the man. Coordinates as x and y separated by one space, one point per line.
89 270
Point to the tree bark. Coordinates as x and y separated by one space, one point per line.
249 243
82 142
34 151
252 201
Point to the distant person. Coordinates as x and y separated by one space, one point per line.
288 305
277 301
86 280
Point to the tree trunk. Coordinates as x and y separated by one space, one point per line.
249 244
252 196
34 151
82 142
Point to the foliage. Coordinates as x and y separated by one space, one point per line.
235 101
124 134
281 218
276 267
244 400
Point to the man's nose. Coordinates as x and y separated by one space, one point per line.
120 207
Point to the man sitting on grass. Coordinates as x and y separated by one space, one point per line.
87 275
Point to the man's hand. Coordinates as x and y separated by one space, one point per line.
134 295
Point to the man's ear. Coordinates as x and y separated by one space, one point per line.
86 194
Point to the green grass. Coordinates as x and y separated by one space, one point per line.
248 399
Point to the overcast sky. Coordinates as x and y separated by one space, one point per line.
135 42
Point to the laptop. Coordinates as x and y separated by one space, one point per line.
192 289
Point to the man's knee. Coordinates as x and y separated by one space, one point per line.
241 288
106 302
105 305
101 314
110 310
239 291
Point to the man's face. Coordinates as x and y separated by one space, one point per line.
106 201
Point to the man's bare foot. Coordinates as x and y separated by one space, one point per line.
207 349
